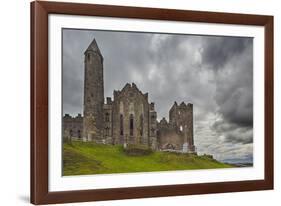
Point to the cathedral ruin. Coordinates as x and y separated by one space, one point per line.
128 118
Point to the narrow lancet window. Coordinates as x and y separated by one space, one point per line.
131 125
141 125
121 125
107 117
107 131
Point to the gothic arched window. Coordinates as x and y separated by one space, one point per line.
106 131
131 124
107 117
121 125
141 125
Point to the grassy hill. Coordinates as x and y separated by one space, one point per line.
81 158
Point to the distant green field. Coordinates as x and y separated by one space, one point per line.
83 158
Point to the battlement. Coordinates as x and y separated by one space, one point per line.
182 105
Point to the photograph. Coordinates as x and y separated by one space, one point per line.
154 102
131 102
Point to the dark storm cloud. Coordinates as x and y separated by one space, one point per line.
213 73
234 133
220 50
234 87
235 82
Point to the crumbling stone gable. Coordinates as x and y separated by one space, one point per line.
168 137
130 116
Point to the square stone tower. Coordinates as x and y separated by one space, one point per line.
93 121
181 119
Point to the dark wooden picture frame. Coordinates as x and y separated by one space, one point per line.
39 102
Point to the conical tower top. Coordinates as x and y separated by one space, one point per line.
93 47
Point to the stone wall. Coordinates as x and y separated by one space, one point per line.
130 112
72 127
152 127
108 122
169 137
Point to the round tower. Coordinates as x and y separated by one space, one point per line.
93 94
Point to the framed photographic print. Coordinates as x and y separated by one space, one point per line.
131 102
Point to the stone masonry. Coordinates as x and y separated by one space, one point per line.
93 123
129 118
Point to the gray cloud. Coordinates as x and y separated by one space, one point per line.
219 50
234 90
233 133
213 73
235 87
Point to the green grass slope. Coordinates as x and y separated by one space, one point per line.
83 158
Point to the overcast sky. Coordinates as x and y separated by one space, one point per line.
213 73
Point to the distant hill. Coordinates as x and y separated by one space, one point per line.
84 158
245 162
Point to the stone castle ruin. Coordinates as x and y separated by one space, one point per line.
128 118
